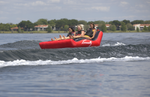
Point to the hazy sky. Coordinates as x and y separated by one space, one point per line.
14 11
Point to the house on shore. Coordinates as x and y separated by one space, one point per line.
140 26
40 27
43 27
96 26
107 26
16 28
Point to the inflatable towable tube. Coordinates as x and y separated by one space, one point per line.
72 43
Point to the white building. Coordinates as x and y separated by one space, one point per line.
140 26
41 27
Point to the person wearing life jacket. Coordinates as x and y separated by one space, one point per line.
71 32
69 35
80 32
91 31
90 34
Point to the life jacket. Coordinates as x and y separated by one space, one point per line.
90 32
79 32
70 33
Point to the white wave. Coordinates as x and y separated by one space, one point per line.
116 44
72 61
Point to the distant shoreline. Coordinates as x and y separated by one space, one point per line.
44 32
30 32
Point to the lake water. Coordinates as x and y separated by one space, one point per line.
120 67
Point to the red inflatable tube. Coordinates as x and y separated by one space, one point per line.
70 43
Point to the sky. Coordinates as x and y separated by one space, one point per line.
14 11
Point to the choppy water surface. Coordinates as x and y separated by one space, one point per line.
120 67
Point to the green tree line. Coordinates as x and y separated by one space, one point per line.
63 24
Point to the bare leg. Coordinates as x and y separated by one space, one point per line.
52 39
72 37
76 36
60 36
64 37
56 39
81 36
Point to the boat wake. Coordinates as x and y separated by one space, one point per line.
72 61
29 53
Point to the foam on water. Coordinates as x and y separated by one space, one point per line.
72 61
116 44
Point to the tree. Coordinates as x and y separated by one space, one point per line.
19 29
1 26
61 28
4 27
112 27
145 29
90 22
123 27
52 23
137 22
99 26
103 27
86 27
27 25
61 23
147 22
13 25
66 27
98 22
35 24
22 24
49 29
130 26
72 22
82 22
126 21
149 28
116 23
42 22
137 29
